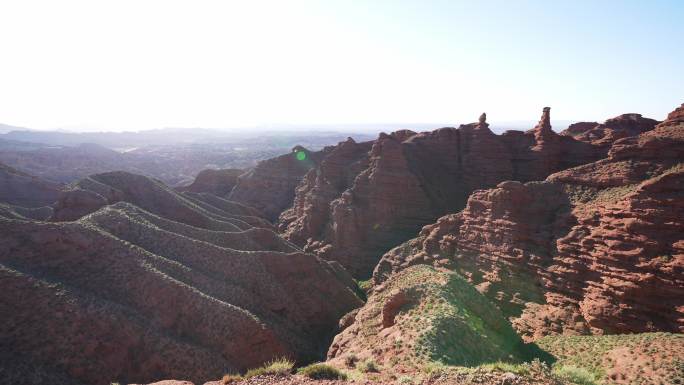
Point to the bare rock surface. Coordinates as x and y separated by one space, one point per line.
270 186
606 133
593 249
364 198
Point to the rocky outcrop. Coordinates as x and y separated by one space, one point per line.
217 182
675 117
170 290
320 186
607 133
270 186
422 316
593 249
21 189
358 204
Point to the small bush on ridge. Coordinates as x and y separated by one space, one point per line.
575 375
280 366
322 372
368 366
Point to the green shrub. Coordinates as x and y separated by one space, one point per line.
322 372
368 366
433 367
405 380
365 285
280 366
575 375
519 369
351 360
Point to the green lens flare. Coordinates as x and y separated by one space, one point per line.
301 155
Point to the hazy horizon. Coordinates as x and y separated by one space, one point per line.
130 66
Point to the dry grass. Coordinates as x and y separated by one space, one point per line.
278 367
322 371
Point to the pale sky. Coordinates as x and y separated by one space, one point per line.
148 64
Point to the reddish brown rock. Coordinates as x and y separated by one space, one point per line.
217 182
270 186
594 249
605 134
21 189
311 208
89 194
675 117
125 295
359 203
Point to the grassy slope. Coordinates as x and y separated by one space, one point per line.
646 358
448 321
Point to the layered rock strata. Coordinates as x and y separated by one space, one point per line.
594 249
364 198
163 288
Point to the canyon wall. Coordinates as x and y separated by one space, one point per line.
593 249
364 198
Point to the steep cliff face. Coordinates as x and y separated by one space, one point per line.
320 186
153 285
270 186
594 249
355 206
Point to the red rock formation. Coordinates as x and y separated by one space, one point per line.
675 117
21 189
98 190
310 210
605 134
126 295
354 207
217 182
270 186
594 249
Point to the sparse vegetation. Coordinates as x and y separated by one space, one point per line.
277 367
519 369
350 360
320 371
459 326
368 366
575 375
645 358
365 285
433 368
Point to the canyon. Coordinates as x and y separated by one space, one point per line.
456 247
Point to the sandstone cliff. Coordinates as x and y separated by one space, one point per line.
606 133
364 198
270 186
594 249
